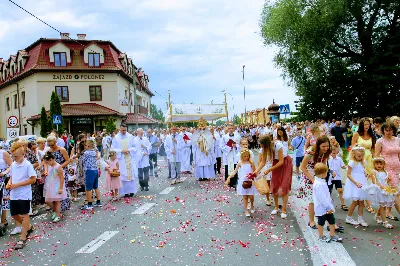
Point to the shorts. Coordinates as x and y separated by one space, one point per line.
92 179
337 183
326 217
299 160
20 207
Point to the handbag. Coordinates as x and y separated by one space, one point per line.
115 173
261 185
247 184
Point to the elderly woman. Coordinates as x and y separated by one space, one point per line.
61 157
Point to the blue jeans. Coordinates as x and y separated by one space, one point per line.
144 176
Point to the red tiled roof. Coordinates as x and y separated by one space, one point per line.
83 109
132 118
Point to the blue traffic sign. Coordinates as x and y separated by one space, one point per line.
57 119
284 109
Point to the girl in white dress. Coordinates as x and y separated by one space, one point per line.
357 180
243 168
382 196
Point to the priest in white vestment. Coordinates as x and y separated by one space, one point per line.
186 166
230 148
124 146
173 147
203 152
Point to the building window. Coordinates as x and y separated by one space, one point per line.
94 59
63 93
23 98
8 103
15 101
26 131
60 59
95 93
20 66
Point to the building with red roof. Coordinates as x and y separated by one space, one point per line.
93 79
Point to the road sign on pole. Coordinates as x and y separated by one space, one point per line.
12 121
57 119
12 133
284 109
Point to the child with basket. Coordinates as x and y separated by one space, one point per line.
113 182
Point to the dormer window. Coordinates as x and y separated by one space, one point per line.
60 59
20 66
12 70
94 59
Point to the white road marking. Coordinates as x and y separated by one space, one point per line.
167 190
321 253
98 242
144 208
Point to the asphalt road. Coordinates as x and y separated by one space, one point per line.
195 223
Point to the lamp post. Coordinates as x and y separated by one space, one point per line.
244 91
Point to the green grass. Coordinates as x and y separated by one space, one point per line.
345 156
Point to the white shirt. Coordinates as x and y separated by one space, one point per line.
143 160
321 197
20 173
268 131
280 145
335 165
60 143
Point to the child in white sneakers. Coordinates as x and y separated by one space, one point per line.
323 205
22 177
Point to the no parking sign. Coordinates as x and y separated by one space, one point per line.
12 133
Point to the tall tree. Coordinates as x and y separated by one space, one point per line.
55 109
110 124
156 113
236 120
44 123
341 56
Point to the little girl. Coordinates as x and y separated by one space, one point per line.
268 165
244 167
357 179
382 197
112 183
72 179
55 187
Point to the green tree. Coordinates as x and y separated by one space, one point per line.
236 120
157 113
219 123
55 109
110 124
341 56
44 123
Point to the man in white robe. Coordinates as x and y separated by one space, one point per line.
143 147
203 152
230 153
124 146
173 147
186 167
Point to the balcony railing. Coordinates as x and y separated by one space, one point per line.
141 110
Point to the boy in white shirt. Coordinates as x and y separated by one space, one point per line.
335 165
323 205
22 177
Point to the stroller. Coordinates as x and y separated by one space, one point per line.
3 182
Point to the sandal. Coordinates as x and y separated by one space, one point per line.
174 183
313 227
387 225
30 231
20 244
378 219
57 219
390 217
370 210
344 207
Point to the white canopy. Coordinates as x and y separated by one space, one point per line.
193 112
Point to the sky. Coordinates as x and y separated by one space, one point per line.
194 48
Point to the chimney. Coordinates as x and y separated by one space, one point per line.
64 36
81 36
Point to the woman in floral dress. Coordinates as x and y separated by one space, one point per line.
316 154
5 163
389 147
61 157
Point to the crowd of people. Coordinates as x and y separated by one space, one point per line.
49 172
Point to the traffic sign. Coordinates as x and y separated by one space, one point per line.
12 133
284 109
57 119
12 121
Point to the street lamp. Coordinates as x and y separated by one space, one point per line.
244 91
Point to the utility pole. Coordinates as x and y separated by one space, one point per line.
244 93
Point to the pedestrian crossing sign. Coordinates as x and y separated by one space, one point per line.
57 119
284 109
